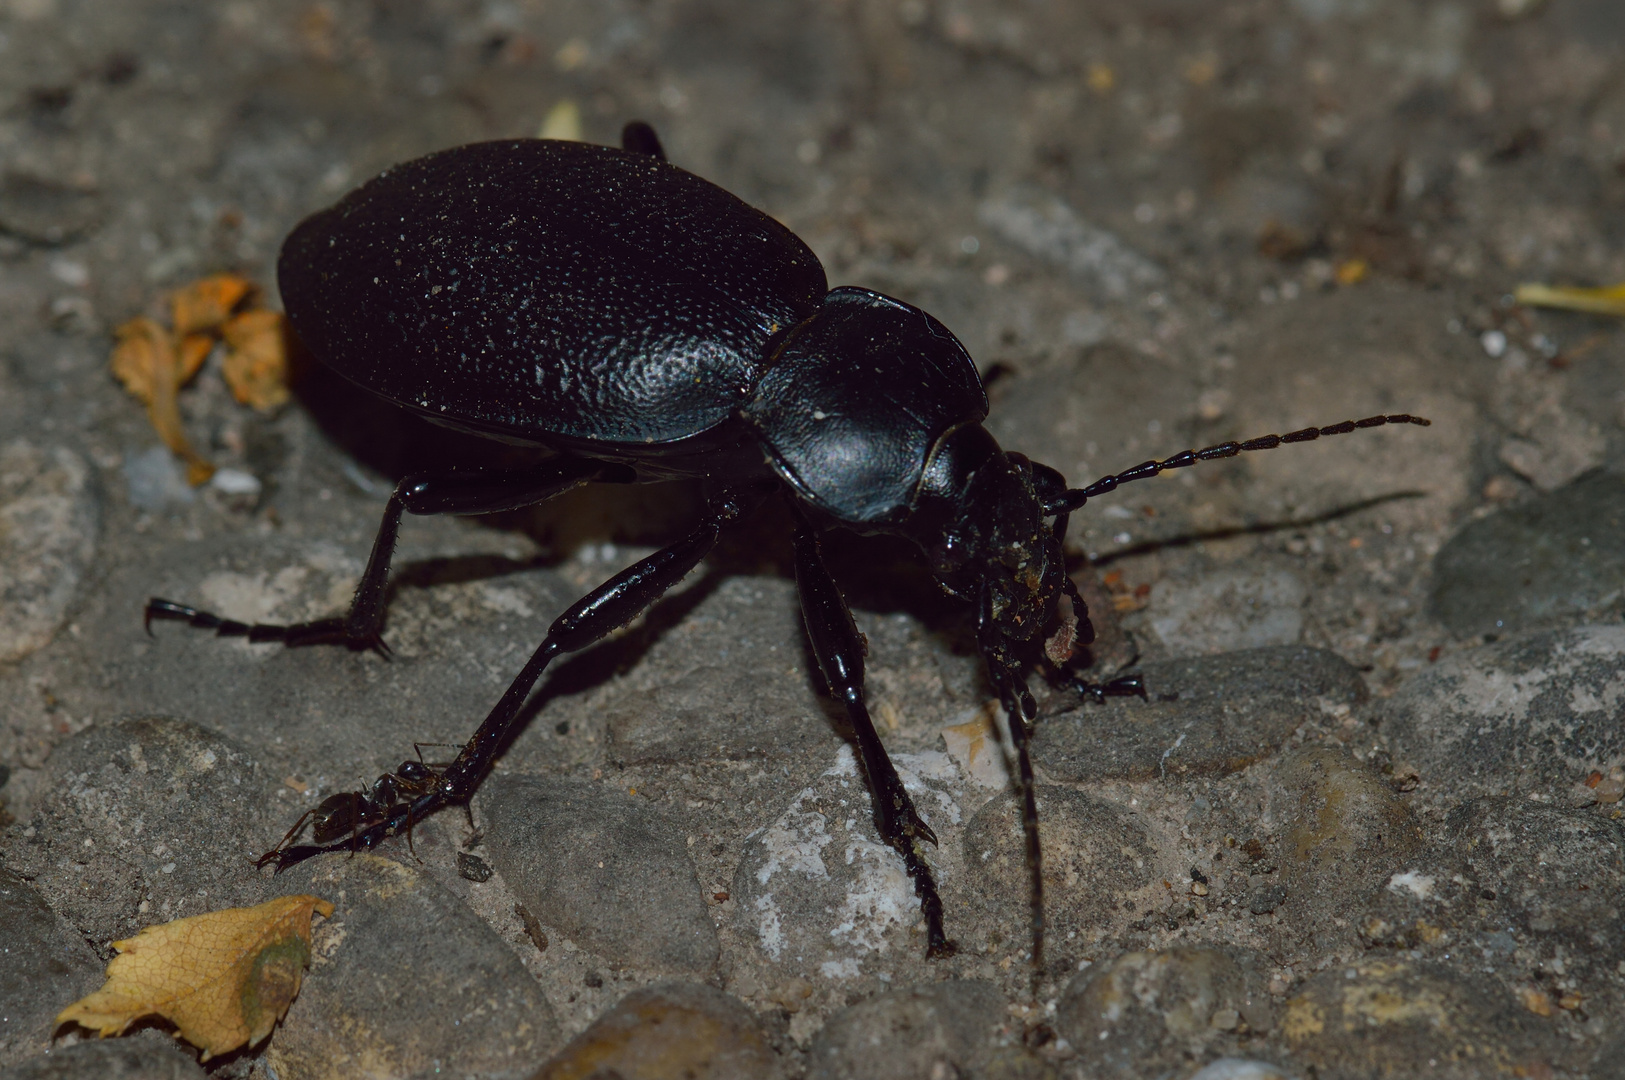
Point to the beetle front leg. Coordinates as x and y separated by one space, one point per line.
468 492
1005 673
840 649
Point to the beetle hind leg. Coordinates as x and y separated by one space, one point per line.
482 491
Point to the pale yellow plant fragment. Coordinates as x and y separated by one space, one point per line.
1605 301
563 121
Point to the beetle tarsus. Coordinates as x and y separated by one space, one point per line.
1132 685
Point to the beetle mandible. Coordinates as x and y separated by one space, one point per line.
644 325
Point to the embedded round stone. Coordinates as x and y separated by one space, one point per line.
1146 1012
1101 869
1206 716
1393 1018
405 979
48 519
110 1059
1345 829
940 1029
146 820
606 868
684 1030
1559 556
1531 716
44 966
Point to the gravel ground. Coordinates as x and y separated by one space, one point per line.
1378 831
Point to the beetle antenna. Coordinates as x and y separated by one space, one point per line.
1073 498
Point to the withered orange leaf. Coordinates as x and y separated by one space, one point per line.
204 306
144 351
194 349
223 978
256 368
147 362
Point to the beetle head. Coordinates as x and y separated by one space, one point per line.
992 539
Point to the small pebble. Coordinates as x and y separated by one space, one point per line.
473 867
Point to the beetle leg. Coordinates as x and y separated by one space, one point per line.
468 492
592 618
638 137
840 649
484 491
1004 671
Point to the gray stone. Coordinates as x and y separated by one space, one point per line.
1101 870
938 1029
1231 710
48 522
1231 609
684 1030
151 1058
1557 557
715 712
819 895
1241 1069
44 211
405 980
44 968
606 868
1401 1018
1145 1011
1506 880
147 820
1042 225
1532 715
1343 828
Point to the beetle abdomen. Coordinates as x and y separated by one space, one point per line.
534 288
851 406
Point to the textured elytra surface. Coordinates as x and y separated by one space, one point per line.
544 288
1136 212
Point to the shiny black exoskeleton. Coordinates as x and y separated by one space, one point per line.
647 325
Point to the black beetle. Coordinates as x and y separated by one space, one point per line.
647 325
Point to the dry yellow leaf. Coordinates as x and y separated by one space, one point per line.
204 306
223 978
146 361
1608 301
256 368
